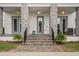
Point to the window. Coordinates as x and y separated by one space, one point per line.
63 25
16 24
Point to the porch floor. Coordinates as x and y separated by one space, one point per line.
37 48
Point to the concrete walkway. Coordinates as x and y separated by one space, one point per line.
39 53
37 48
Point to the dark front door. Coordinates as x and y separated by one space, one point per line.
40 24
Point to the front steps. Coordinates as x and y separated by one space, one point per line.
39 40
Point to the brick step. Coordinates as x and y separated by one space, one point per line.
39 39
38 42
39 35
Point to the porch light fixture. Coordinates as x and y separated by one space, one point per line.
62 12
38 12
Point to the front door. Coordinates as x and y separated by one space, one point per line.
40 24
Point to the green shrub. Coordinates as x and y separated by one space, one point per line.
60 38
17 37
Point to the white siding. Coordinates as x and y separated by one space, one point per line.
33 23
7 23
58 20
71 20
46 24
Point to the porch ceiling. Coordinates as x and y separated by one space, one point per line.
41 9
67 10
11 9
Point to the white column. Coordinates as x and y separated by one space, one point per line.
77 21
24 18
53 19
1 20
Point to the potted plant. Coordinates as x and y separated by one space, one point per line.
17 37
60 38
33 32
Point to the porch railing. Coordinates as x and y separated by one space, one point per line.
25 35
53 36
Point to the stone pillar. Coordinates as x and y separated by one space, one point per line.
24 18
1 20
77 21
53 19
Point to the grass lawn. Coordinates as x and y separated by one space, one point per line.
7 46
70 47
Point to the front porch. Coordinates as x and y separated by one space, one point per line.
39 25
40 20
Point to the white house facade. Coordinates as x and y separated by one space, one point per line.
39 19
